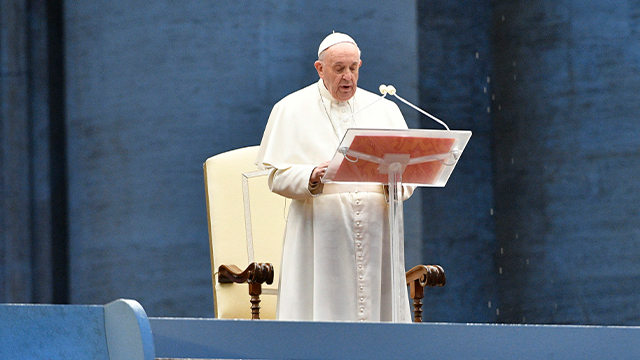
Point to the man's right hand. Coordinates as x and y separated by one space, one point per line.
318 173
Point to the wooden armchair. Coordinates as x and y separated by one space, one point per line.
246 227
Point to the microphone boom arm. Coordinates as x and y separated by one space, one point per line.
384 89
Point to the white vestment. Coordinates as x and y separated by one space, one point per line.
335 261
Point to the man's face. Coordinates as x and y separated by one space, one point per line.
339 70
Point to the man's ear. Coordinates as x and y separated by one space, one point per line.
319 68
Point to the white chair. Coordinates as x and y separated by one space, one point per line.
246 227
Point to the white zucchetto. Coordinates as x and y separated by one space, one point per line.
334 38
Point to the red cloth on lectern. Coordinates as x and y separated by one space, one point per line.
366 171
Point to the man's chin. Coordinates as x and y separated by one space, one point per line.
346 95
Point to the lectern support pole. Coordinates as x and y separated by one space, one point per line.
396 227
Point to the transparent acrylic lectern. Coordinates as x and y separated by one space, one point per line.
396 157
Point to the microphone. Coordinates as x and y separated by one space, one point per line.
384 89
391 90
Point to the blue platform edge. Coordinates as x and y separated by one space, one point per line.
121 330
117 331
244 339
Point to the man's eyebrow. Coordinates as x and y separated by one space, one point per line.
342 63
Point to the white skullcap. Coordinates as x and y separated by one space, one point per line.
334 38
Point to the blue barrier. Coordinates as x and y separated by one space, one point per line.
116 331
244 339
121 330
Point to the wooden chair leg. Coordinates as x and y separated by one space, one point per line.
255 289
417 294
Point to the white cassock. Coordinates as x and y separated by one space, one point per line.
335 260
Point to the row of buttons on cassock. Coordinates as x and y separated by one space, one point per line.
359 261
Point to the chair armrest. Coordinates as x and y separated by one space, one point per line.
427 275
255 275
419 277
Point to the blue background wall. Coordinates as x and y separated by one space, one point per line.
455 57
566 160
109 110
153 91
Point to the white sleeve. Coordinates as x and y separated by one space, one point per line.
292 182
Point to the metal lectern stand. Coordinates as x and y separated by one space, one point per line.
420 157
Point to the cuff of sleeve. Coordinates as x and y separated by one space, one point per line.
316 188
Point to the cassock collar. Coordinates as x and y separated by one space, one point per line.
327 95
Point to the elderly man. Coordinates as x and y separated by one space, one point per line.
335 261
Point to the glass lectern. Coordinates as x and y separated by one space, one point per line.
396 157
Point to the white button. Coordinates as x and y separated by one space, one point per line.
359 244
360 277
361 319
361 298
356 191
358 223
357 202
359 266
360 255
357 212
358 235
361 310
361 287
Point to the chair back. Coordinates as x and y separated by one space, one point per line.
246 224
